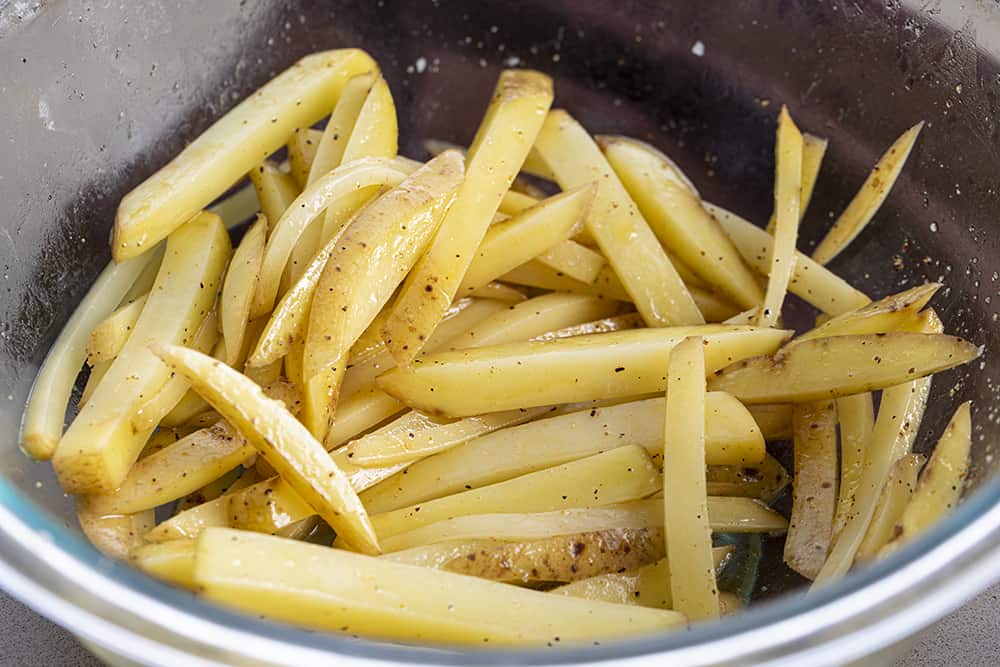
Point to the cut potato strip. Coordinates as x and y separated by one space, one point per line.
686 515
763 481
508 129
536 274
117 535
622 234
267 507
813 150
517 375
677 217
187 524
942 481
100 445
286 580
646 586
606 325
857 419
281 439
302 147
810 281
574 260
108 337
731 439
866 203
896 494
533 164
44 415
787 204
508 244
256 127
882 316
619 475
330 147
239 287
500 292
841 366
275 190
774 421
172 562
210 491
814 490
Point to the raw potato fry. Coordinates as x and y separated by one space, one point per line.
647 586
813 150
533 164
622 234
176 470
239 286
574 260
500 292
209 492
42 426
516 202
513 119
814 489
536 274
677 217
172 562
606 325
275 190
330 148
616 476
108 337
857 419
100 445
896 494
144 282
881 316
267 507
764 481
687 532
187 524
117 535
510 243
866 203
942 481
231 147
302 149
810 280
282 440
774 421
508 453
841 366
286 580
516 375
787 205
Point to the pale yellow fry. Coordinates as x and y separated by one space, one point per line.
775 420
144 282
841 366
302 147
267 507
605 325
289 581
187 524
686 519
97 374
787 204
619 475
677 217
117 535
622 234
239 286
518 239
943 480
604 366
574 260
100 445
172 562
536 274
533 164
275 190
814 487
857 419
881 316
108 337
886 521
500 292
281 439
763 481
330 148
813 150
866 203
508 129
226 151
730 440
810 281
46 409
516 202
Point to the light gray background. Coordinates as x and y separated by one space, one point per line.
968 638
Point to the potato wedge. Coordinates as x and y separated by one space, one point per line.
809 281
286 580
508 244
267 507
519 375
239 287
44 415
881 316
686 514
275 190
866 203
574 260
172 562
505 454
513 119
897 493
814 489
679 220
857 419
622 234
256 127
281 439
619 475
100 446
763 481
116 535
108 337
841 366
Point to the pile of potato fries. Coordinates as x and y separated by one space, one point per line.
506 396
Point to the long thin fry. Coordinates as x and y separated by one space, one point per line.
897 492
172 562
857 419
239 287
275 190
336 134
574 260
108 337
813 150
187 524
881 316
764 480
117 535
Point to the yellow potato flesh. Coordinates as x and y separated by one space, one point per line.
239 286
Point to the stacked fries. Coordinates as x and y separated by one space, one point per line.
431 402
